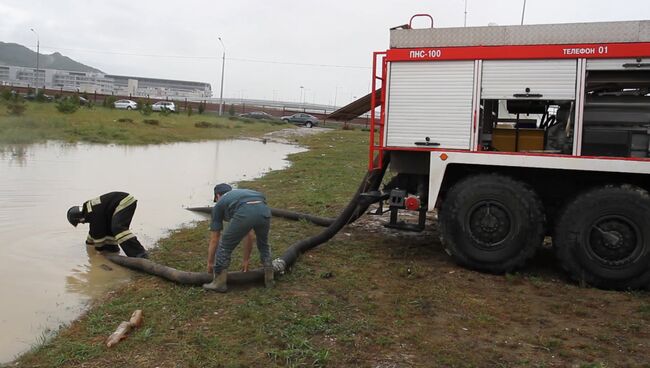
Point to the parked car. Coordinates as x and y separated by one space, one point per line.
33 97
301 119
126 104
256 115
83 101
164 105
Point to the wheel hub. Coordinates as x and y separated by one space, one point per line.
614 240
489 224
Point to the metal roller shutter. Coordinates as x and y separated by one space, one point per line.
618 64
552 79
430 99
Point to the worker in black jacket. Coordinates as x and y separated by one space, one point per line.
109 217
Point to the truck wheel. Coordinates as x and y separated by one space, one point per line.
491 223
603 238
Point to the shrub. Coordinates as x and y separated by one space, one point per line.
201 107
16 105
202 124
146 109
109 102
6 94
68 105
140 103
347 126
151 121
164 112
206 124
231 110
189 110
40 96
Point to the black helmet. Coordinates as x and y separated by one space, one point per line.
221 189
75 215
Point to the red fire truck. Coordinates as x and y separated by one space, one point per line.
515 134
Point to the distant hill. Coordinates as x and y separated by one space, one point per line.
15 54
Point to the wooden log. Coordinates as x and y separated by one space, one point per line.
123 329
137 318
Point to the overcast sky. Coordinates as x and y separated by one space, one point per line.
273 47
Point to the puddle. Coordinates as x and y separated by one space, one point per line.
47 273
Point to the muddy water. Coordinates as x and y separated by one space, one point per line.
47 273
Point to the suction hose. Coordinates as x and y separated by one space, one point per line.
278 212
355 209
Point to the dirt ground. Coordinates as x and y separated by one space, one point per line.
290 135
535 317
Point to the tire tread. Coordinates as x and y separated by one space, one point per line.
524 194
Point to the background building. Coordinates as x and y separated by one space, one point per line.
90 82
154 87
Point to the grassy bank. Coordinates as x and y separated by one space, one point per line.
41 121
370 297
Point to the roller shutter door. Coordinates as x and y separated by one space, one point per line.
430 99
546 79
618 64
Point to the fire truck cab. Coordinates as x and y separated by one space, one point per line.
519 133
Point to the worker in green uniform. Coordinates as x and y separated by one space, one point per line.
246 210
109 217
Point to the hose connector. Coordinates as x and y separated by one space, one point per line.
279 265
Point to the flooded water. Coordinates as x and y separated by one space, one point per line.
47 274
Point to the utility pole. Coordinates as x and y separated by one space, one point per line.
223 66
465 22
523 11
38 52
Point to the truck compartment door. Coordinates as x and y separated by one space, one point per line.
529 79
430 100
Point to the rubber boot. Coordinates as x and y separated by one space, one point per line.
269 282
218 283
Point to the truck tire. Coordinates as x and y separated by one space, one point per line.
491 223
603 238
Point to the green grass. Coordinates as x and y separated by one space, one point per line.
41 121
367 298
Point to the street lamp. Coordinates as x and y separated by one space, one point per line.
523 12
223 65
38 49
302 99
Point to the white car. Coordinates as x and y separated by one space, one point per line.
164 105
126 104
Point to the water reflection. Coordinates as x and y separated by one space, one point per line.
46 272
16 153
